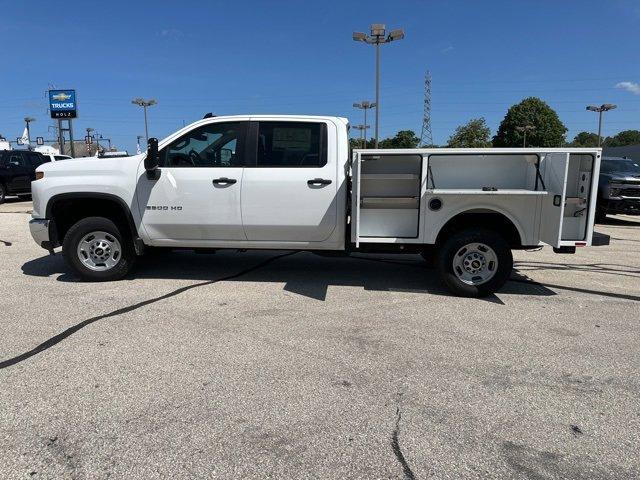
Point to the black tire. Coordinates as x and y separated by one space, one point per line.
3 193
77 233
458 240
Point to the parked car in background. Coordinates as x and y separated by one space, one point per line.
56 158
17 171
618 187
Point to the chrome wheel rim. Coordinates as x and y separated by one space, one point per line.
99 251
475 263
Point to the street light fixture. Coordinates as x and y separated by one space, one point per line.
378 36
524 130
141 102
365 105
605 107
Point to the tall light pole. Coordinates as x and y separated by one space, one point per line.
378 36
524 129
28 120
141 102
605 107
365 105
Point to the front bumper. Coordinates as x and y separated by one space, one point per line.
628 206
41 230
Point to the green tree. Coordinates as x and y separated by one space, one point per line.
622 139
403 139
356 142
585 139
473 134
549 130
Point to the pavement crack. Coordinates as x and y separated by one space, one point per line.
397 451
73 329
6 244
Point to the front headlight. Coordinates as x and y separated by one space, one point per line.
39 175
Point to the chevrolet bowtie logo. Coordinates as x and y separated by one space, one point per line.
60 97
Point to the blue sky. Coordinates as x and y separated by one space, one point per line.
298 57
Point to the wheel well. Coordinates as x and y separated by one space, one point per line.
65 212
494 221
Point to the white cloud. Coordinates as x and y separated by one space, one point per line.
632 87
171 33
447 49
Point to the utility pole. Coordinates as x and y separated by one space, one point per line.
88 140
141 102
524 129
605 107
378 36
365 105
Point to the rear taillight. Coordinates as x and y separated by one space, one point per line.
39 175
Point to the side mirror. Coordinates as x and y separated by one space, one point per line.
152 159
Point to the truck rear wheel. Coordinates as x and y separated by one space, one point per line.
97 251
475 262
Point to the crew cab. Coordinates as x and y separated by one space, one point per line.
619 187
17 170
291 182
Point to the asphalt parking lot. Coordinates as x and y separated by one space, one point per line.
276 365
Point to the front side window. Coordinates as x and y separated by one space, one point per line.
16 160
291 144
212 145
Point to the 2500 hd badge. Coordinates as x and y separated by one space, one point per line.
164 207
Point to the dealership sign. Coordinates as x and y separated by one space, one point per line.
62 103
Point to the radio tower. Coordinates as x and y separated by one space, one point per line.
426 137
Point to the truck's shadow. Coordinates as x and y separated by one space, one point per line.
305 274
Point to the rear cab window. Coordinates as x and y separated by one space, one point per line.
291 144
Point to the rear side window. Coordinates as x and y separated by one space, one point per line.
36 159
291 144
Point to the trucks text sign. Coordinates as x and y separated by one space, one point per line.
62 103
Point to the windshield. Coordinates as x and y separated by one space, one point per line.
622 165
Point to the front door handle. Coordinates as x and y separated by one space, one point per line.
319 181
224 181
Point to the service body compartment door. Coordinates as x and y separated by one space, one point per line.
555 166
289 189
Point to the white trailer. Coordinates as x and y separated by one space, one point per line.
291 182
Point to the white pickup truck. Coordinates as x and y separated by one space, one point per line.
291 182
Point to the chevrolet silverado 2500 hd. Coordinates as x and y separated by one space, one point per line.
291 182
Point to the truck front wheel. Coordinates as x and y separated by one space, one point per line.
474 262
97 251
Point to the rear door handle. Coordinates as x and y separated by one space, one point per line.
224 181
319 181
